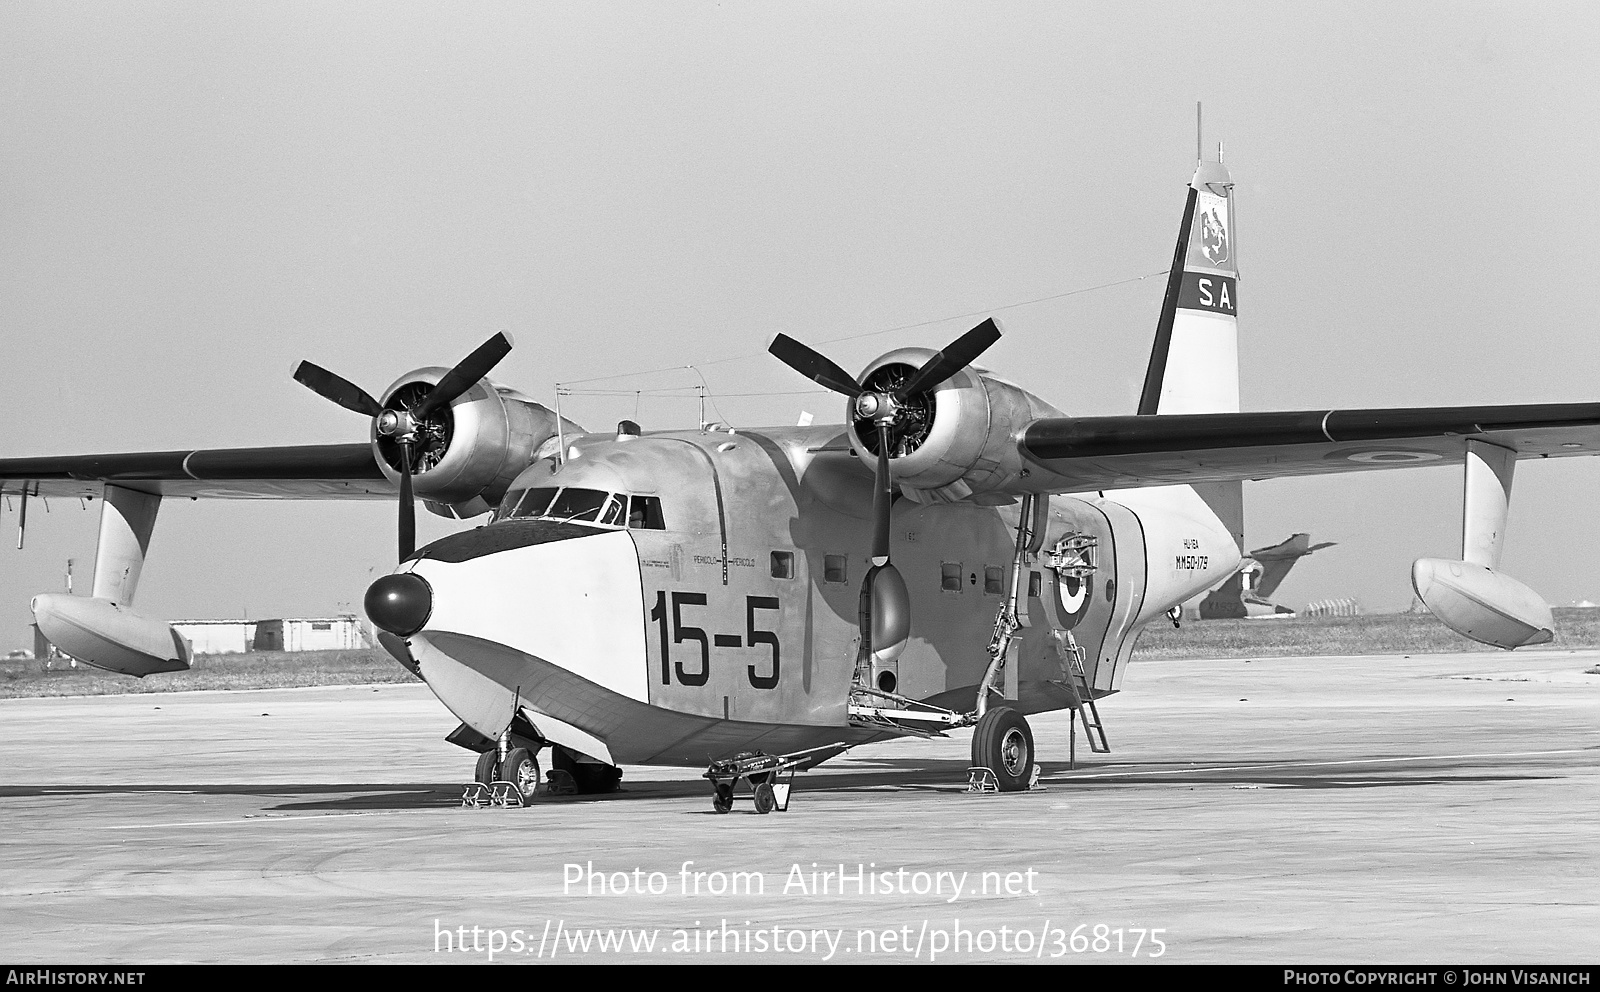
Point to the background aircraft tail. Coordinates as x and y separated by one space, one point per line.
1277 560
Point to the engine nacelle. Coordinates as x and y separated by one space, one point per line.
955 439
471 450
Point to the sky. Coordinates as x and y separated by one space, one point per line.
194 197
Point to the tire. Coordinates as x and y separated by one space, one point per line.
1003 743
589 778
766 802
722 799
596 779
487 772
521 769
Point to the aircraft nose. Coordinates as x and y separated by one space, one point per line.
400 603
514 610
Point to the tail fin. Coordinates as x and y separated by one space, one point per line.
1194 364
1276 561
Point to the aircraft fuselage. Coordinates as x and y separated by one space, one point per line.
724 616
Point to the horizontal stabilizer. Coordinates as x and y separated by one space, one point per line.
1298 545
1477 602
1273 563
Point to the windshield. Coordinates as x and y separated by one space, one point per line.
525 503
577 504
572 503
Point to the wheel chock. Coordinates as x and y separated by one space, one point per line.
507 794
981 781
475 795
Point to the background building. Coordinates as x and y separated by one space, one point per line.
312 634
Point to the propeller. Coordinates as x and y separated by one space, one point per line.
893 407
409 422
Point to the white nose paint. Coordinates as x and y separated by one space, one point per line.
576 604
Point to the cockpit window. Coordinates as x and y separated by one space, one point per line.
593 505
577 504
526 502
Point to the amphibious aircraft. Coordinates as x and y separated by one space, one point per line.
1247 593
957 553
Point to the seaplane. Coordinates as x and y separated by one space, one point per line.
957 554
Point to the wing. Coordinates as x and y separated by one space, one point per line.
1081 454
323 471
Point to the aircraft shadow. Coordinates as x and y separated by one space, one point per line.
863 776
339 796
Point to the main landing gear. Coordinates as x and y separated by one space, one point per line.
569 776
1002 753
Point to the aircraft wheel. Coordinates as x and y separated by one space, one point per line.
1003 744
766 802
521 769
487 767
599 778
589 778
722 799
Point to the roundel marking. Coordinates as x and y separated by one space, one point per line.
1394 457
1073 596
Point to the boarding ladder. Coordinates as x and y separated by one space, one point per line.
1093 730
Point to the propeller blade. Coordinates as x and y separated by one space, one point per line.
408 507
957 355
882 501
813 365
891 613
342 391
887 603
468 371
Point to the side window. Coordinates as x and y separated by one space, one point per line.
783 564
994 583
950 576
616 509
644 513
833 569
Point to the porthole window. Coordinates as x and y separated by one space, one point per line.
994 582
783 564
950 576
833 569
